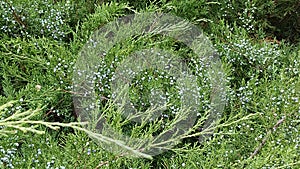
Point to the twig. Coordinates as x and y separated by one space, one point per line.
106 162
16 16
266 137
78 157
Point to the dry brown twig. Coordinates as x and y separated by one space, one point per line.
266 138
102 163
16 16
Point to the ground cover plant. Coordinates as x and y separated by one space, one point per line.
256 41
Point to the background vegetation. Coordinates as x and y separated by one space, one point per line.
258 43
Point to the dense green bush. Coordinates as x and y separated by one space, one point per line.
35 18
39 46
278 19
28 63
